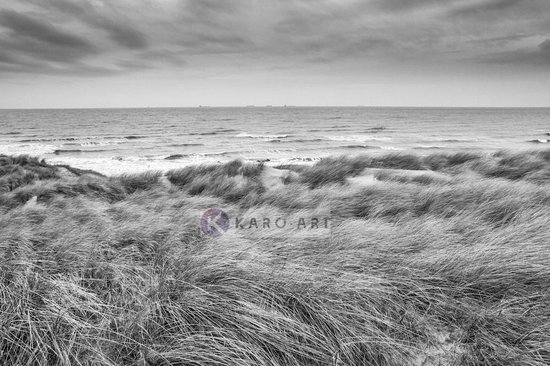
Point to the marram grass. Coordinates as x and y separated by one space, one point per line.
442 260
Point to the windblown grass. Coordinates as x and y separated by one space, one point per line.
448 264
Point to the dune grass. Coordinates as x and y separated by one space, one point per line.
443 260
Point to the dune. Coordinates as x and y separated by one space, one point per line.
425 260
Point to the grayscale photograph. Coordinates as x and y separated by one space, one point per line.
274 182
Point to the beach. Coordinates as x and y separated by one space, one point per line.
372 259
117 141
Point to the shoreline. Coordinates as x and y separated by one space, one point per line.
116 166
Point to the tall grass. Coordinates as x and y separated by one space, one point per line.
446 266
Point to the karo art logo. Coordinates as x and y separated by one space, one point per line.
214 222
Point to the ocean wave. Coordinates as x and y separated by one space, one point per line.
203 133
277 151
77 141
78 151
453 140
428 147
392 148
332 129
176 156
303 140
359 147
456 140
539 141
100 143
27 149
357 138
194 155
377 129
70 151
308 140
346 147
133 137
48 139
261 137
185 145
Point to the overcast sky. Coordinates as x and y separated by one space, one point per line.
132 53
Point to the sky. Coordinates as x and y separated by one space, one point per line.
178 53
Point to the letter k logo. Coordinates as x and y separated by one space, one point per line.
214 222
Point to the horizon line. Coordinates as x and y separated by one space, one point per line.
281 106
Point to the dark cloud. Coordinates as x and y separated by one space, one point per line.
545 46
214 27
213 42
126 36
211 11
6 57
539 56
80 69
484 7
409 5
24 26
120 30
33 46
30 48
123 34
501 39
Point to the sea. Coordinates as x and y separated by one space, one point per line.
117 141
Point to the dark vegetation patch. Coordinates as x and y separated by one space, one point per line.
232 181
138 181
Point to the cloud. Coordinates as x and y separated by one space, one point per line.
34 46
103 37
407 6
545 46
104 18
27 27
124 35
7 58
203 43
33 67
502 39
162 56
539 56
483 7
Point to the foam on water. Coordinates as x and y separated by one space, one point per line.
357 138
